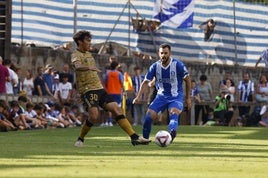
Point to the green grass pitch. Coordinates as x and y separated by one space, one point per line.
196 152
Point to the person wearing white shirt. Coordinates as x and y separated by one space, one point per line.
13 76
28 84
65 90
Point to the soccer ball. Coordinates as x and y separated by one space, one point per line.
163 138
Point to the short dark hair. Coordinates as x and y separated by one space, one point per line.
203 78
38 107
165 45
23 99
137 68
7 62
114 64
29 105
81 35
14 104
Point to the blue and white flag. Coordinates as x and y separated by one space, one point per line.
174 13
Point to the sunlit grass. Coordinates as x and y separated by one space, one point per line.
196 152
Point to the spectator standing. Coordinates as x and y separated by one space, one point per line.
17 88
195 97
48 76
4 77
55 87
262 90
231 88
65 90
28 83
66 71
139 108
205 92
227 76
114 81
13 77
40 86
245 93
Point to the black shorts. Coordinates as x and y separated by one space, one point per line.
96 98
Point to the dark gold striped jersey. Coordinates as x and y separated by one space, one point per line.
86 80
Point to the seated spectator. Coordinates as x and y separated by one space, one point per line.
53 113
262 90
31 117
75 115
65 118
16 117
5 125
40 110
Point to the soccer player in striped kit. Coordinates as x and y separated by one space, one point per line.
169 74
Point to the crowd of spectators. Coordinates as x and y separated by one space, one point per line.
64 108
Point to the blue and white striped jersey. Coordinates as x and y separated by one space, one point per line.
264 56
169 79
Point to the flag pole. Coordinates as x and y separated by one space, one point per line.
235 34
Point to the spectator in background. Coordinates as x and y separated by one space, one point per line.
65 90
66 71
227 76
264 116
16 117
114 82
55 87
40 86
5 124
4 77
262 90
195 97
75 115
41 114
48 76
208 28
230 88
139 108
31 117
245 94
13 77
17 88
28 83
205 92
223 111
264 57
